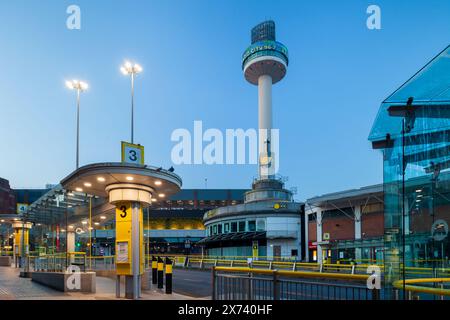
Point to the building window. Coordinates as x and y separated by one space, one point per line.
215 229
219 228
226 228
241 226
261 226
294 252
234 227
252 225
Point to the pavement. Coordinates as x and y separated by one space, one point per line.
194 283
12 287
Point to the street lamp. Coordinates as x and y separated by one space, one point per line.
131 69
80 86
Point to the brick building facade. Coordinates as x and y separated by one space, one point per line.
7 198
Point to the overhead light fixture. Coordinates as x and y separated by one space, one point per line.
101 179
419 195
419 190
88 184
84 222
79 189
69 206
96 223
2 220
103 217
71 227
161 195
154 200
70 194
158 183
129 178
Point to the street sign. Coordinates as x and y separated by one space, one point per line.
132 153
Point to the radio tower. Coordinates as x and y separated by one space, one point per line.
265 63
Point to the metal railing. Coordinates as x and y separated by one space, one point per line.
419 289
346 268
255 284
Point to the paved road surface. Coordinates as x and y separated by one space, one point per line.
194 283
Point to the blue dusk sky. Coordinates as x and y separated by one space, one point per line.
191 50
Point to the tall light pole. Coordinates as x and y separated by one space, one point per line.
80 86
131 69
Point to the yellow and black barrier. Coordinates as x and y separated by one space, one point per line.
168 276
160 273
154 270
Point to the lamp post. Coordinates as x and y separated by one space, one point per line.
131 69
80 86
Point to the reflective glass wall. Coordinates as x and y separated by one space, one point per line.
417 201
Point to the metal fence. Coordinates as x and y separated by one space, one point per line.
250 284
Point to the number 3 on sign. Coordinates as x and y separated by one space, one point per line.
132 153
123 212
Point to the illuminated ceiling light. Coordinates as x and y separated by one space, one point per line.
63 230
101 179
79 189
419 195
103 217
154 200
70 194
90 228
71 227
84 222
96 223
161 195
15 219
158 183
2 220
129 178
418 200
419 190
88 184
69 206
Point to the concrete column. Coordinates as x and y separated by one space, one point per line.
70 243
264 117
133 282
306 244
358 233
319 235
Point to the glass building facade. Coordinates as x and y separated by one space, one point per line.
412 129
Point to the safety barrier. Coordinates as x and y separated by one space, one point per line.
416 292
263 284
209 262
159 267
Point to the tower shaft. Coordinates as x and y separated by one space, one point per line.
264 122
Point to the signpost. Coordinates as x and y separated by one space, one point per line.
132 153
22 208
